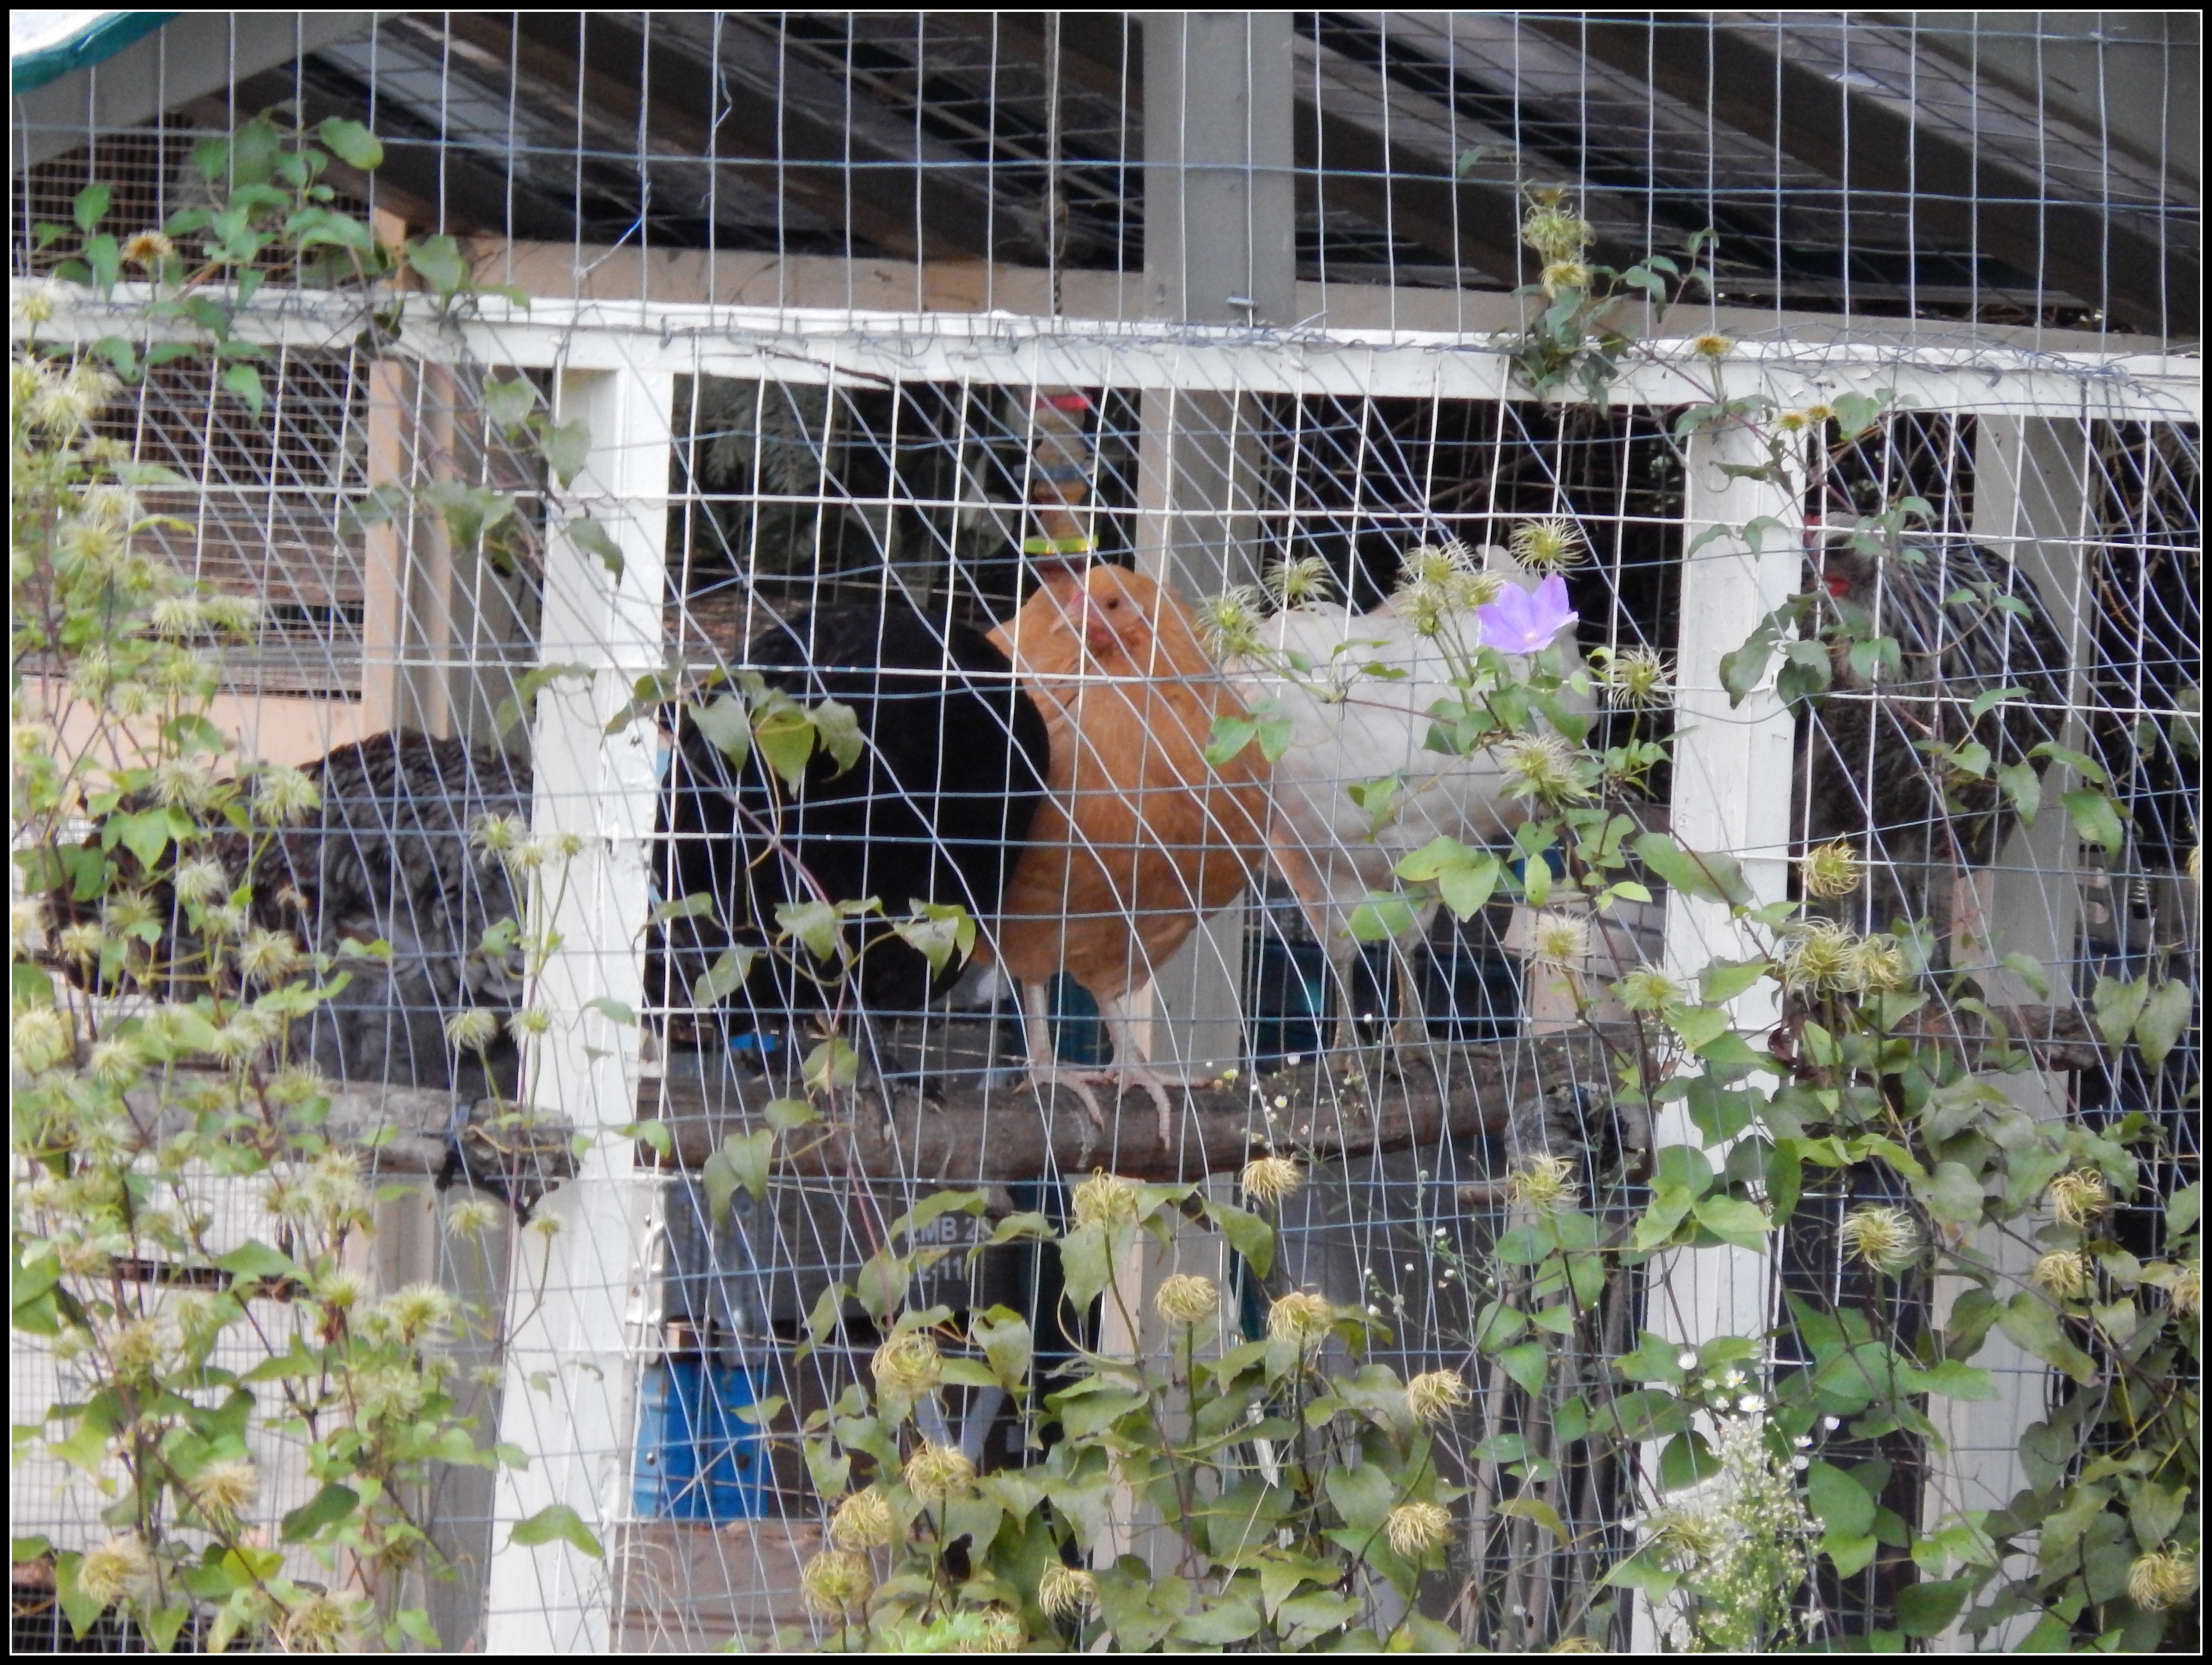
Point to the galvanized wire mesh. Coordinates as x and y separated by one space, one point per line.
1891 196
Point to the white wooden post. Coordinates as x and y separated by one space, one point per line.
1733 767
2031 505
576 1295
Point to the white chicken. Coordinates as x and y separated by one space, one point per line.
1357 789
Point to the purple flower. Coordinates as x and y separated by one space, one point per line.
1524 622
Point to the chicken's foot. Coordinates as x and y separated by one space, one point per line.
1046 1072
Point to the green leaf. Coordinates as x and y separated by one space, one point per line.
838 727
1725 980
437 261
1230 1619
1927 1610
1952 1194
2165 1018
2095 818
2030 1323
589 536
565 447
1527 1362
1086 1265
1697 1025
939 931
831 1066
727 727
145 833
1850 1552
2023 787
1732 1220
1740 669
1382 917
333 1504
1683 1167
254 1260
724 978
557 1520
1955 1381
816 924
1710 876
1251 1236
1232 734
508 402
1536 1510
743 1160
1364 1494
658 1134
785 736
1843 1506
1720 1113
2118 1005
352 143
787 1116
2032 973
90 207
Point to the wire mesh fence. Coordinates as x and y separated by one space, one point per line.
876 359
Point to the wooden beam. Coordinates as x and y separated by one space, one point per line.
840 170
1344 164
1472 224
1883 161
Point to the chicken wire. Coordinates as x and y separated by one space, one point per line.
646 167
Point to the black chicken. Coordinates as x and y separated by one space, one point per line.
1887 762
388 857
935 809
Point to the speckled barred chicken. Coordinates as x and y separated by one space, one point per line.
1890 762
390 856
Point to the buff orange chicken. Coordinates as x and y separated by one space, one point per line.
1140 837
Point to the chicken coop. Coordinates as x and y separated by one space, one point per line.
1132 430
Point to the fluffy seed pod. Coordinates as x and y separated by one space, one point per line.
473 1030
1415 1528
909 1364
320 1624
1649 989
1551 546
1067 1593
863 1522
1104 1200
835 1582
1433 1395
2079 1196
111 1570
1301 1316
225 1488
1545 1183
1229 624
1268 1179
2160 1580
2065 1275
934 1472
1637 679
1542 767
1886 1238
1830 870
1186 1299
1560 941
1821 958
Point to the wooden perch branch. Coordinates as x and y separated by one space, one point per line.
967 1139
971 1136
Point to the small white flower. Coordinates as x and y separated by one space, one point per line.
1751 1404
1686 1360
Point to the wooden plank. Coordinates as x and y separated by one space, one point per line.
1883 161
